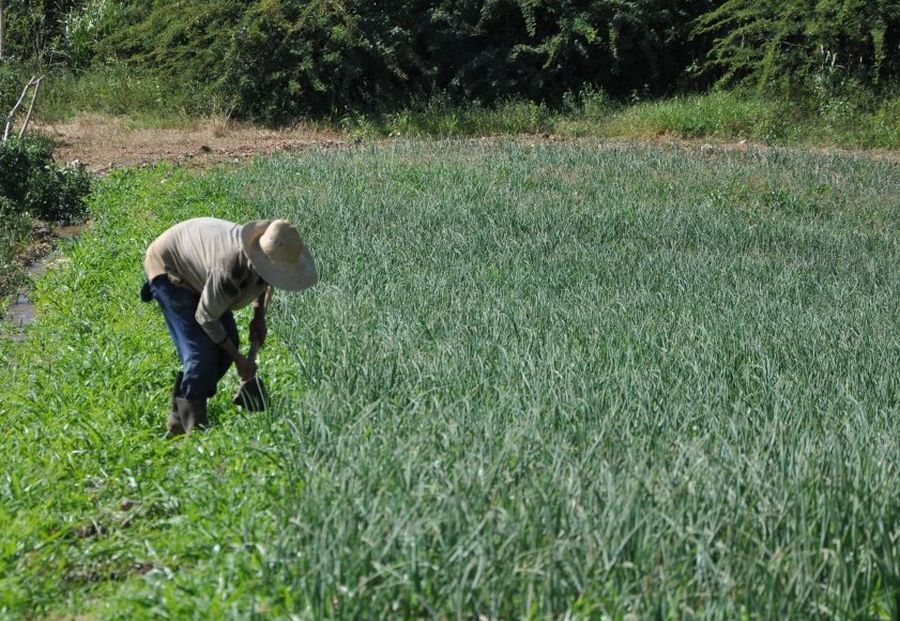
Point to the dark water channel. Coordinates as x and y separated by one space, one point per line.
21 313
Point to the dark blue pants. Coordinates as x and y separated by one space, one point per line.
205 363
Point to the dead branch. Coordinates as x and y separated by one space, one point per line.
12 113
37 87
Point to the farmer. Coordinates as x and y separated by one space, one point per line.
201 270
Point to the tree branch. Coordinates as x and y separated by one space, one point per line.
37 86
12 113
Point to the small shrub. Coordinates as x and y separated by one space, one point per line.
32 183
13 78
18 158
57 193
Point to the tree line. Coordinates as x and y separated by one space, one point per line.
279 59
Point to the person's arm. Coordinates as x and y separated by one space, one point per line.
246 368
258 328
214 302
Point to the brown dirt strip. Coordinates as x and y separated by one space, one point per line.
103 143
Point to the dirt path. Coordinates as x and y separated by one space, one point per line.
102 143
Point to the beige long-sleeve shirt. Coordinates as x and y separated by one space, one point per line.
205 255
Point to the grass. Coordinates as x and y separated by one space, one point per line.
144 101
533 381
716 115
15 228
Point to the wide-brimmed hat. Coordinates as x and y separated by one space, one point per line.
277 253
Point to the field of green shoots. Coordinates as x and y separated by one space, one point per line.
562 380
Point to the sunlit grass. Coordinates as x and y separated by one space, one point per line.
142 100
14 229
548 380
533 380
718 116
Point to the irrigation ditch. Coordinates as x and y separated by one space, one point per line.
21 313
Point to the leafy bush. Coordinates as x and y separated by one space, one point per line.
276 61
84 27
33 29
794 44
32 183
13 78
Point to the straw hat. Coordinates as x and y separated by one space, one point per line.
277 253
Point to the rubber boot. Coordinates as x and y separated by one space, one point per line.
192 413
176 389
173 424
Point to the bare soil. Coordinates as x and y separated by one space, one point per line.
103 143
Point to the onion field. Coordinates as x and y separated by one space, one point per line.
536 380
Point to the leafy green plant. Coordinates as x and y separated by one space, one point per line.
34 184
791 45
84 27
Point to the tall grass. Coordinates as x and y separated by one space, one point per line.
716 115
14 229
147 100
534 381
820 118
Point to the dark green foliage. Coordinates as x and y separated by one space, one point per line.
187 47
316 56
34 29
279 59
32 183
790 44
12 80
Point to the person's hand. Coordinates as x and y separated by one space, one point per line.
245 367
258 329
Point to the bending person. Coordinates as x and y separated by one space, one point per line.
200 271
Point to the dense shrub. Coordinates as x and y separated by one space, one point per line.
33 29
32 183
277 60
13 78
296 57
829 46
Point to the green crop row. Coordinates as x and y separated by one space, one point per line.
534 380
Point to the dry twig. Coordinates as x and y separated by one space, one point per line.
37 86
34 81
